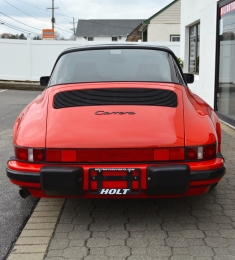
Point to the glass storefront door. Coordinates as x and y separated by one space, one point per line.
226 87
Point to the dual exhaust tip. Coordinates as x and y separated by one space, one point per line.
24 193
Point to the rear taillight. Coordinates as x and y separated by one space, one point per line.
201 152
169 154
29 154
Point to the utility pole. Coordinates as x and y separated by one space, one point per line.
74 29
53 18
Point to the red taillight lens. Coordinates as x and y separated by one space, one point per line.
53 156
192 153
68 155
38 155
21 153
176 153
161 154
209 152
166 154
29 154
201 152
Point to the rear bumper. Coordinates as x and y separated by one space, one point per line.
154 180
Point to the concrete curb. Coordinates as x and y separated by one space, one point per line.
20 85
35 238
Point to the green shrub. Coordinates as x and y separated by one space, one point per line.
180 62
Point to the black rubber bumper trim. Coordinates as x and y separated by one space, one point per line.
194 175
23 176
207 175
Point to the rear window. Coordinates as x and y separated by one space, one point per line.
114 65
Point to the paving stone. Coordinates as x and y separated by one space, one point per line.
182 257
158 234
61 235
33 241
180 251
97 251
157 251
137 242
97 242
74 252
93 257
54 258
200 251
52 252
77 242
59 244
176 242
64 228
118 251
117 242
136 227
227 257
99 227
20 249
117 234
140 257
172 226
192 234
138 251
35 256
37 233
196 242
79 235
208 226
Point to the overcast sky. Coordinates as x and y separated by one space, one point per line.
34 13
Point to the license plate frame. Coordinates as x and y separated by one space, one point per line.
126 174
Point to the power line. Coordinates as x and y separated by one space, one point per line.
31 15
66 10
26 13
64 7
20 22
76 18
43 9
16 27
62 29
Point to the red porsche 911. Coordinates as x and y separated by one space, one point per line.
116 121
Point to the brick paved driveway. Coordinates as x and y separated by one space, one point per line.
199 228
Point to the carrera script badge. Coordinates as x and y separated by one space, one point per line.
104 113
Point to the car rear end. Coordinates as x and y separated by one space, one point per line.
118 125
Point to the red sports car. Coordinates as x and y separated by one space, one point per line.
116 121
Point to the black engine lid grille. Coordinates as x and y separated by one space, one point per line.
115 96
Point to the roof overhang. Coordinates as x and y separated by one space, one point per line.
143 27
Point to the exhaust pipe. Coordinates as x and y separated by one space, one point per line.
24 193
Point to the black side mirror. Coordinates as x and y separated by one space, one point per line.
189 78
44 81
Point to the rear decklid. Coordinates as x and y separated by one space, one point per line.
115 115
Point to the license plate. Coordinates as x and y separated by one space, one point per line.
114 181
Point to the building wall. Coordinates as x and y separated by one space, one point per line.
165 24
170 15
101 39
162 32
203 11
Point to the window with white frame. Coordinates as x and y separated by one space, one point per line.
90 39
194 48
175 38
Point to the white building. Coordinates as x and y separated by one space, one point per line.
105 29
164 26
208 51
